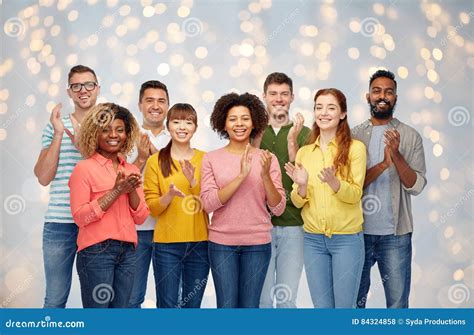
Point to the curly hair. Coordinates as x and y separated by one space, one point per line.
227 102
343 133
100 117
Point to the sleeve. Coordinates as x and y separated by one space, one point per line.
84 211
47 136
196 189
209 188
296 199
151 186
417 163
140 214
275 175
351 191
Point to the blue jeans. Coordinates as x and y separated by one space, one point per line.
184 264
393 256
284 271
333 268
239 273
59 251
106 273
143 259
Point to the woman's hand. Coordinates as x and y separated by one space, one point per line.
188 171
328 175
175 192
297 173
245 163
127 184
266 162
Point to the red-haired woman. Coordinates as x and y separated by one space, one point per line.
328 184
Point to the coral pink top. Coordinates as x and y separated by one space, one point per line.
90 180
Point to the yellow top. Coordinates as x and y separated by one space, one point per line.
184 219
325 211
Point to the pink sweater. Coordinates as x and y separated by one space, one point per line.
244 219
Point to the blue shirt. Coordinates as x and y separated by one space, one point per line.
377 204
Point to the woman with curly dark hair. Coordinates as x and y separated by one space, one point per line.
238 184
328 183
107 202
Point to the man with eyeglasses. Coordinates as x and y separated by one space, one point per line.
56 161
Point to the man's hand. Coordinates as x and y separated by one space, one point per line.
295 130
55 119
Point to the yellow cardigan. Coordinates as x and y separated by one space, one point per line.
184 219
325 211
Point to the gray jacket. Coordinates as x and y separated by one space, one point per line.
411 148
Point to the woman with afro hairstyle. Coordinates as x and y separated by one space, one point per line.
106 203
328 182
240 184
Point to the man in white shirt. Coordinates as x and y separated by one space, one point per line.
153 104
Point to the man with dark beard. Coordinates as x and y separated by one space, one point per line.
395 171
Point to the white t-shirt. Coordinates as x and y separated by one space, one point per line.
159 141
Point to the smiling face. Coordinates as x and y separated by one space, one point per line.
327 112
278 99
154 106
181 131
382 98
84 99
112 138
238 124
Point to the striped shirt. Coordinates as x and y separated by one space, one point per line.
59 209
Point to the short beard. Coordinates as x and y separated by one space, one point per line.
385 115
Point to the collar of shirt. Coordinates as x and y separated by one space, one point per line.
104 160
289 125
164 132
317 144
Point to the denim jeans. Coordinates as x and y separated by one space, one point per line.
393 256
184 264
106 273
284 271
59 252
143 259
333 268
239 273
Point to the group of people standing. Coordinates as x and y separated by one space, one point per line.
281 197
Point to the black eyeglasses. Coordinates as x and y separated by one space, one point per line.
77 87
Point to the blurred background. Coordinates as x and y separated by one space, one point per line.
204 49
